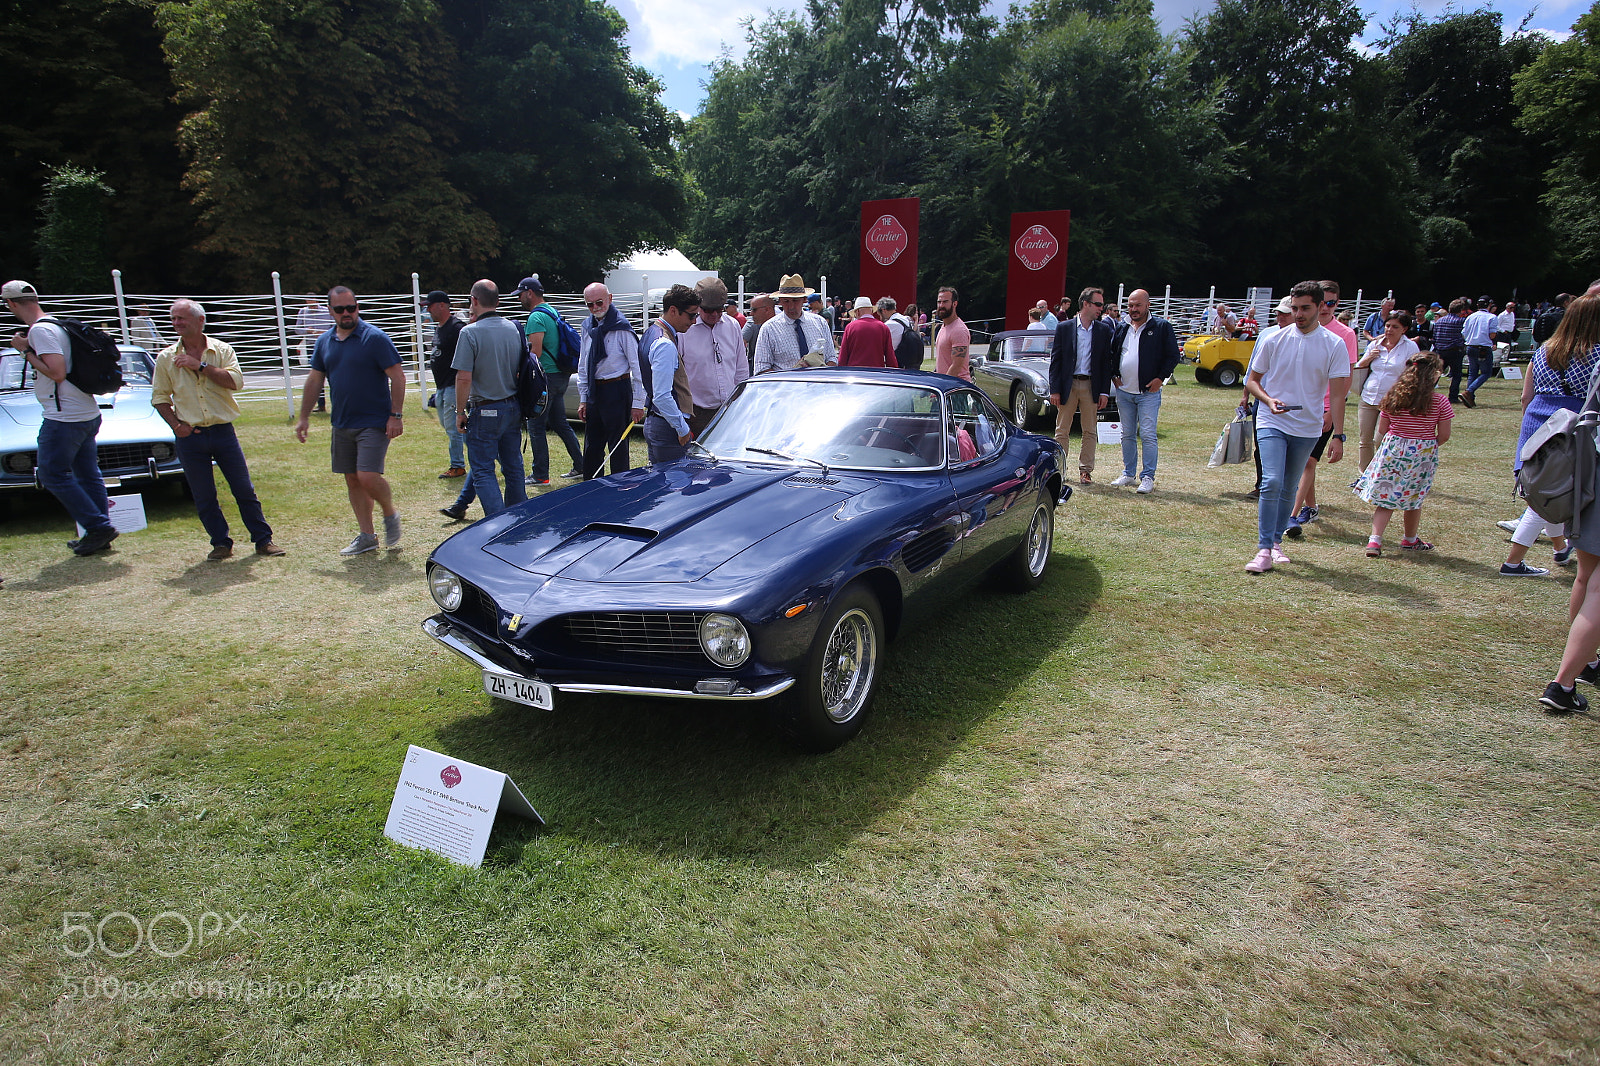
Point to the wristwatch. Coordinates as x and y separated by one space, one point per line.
1338 437
202 369
394 414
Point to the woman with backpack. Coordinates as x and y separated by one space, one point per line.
1557 378
1569 360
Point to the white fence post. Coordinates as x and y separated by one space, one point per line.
1166 305
741 292
644 305
122 307
416 329
283 343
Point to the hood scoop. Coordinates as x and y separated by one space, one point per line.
812 479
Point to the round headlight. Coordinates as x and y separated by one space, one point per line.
446 588
725 640
161 451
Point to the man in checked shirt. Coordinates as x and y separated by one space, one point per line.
787 340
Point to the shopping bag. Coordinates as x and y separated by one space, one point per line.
1236 443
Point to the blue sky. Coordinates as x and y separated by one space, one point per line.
676 39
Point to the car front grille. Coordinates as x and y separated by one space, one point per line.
674 634
477 609
115 459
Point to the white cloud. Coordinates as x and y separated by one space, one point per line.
688 32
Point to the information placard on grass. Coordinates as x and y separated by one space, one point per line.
126 513
1109 432
448 806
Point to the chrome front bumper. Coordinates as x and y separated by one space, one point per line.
462 643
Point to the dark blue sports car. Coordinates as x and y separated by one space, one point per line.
821 509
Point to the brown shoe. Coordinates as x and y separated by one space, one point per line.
1085 479
1469 399
266 547
454 471
220 552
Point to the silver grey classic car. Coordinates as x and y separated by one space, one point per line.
1015 374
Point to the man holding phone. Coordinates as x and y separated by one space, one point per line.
1289 375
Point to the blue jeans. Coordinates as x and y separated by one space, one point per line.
196 452
1480 365
494 434
554 417
447 419
661 440
1283 462
69 466
1139 409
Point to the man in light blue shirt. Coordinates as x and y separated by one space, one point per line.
1051 322
666 427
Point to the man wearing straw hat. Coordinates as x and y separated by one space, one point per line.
610 391
796 338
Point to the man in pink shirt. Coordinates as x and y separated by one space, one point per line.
950 346
1305 504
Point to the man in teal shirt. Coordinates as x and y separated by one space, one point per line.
544 340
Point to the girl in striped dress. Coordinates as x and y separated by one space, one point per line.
1414 421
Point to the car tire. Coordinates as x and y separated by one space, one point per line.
831 699
1019 407
1202 375
1024 568
1228 375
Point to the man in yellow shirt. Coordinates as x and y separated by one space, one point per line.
192 388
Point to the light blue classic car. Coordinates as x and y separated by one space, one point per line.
135 443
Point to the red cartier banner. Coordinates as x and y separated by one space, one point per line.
1038 263
888 250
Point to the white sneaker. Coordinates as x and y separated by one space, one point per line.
391 530
1122 479
1147 485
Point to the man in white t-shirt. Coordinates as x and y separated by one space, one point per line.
68 458
1305 508
1290 373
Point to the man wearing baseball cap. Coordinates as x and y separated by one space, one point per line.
68 458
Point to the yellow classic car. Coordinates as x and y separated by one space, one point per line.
1218 360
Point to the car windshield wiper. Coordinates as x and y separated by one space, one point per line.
791 458
697 446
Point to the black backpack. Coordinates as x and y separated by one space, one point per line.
908 353
566 353
532 390
96 361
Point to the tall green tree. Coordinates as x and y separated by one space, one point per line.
1317 186
319 141
822 114
1077 105
564 142
1478 176
73 247
91 91
1558 97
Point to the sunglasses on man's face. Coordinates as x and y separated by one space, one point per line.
343 309
594 303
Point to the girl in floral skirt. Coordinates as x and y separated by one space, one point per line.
1414 421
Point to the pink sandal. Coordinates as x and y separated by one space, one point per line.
1418 545
1374 548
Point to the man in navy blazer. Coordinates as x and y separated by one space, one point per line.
1080 376
1144 352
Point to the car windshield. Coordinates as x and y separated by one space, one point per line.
839 424
135 367
1014 347
13 370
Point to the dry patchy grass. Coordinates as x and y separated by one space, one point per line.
1158 811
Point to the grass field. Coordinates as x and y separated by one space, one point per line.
1157 811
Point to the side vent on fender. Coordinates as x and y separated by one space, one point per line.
926 549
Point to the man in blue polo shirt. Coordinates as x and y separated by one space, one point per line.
1478 334
356 357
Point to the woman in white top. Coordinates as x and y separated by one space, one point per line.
1385 361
